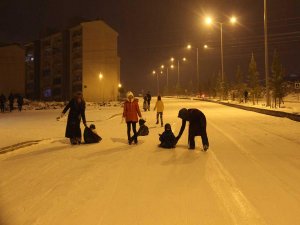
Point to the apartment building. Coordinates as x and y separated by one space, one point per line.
94 61
32 66
84 58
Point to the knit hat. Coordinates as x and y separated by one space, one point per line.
167 126
129 93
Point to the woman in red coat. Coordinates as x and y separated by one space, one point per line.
131 113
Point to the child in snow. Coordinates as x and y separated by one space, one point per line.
159 106
90 135
143 130
167 138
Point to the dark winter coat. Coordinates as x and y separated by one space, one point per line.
131 111
197 125
90 137
20 100
167 139
77 111
143 130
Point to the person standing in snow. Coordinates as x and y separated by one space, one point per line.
159 106
148 100
145 103
2 102
130 113
20 102
197 126
11 99
77 111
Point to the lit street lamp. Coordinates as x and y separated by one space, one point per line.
210 21
197 64
178 69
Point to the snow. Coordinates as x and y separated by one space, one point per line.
249 175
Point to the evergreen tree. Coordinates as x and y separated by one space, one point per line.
253 80
239 84
277 80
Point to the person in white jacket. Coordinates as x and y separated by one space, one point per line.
159 106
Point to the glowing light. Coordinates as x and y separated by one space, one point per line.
188 46
233 20
100 76
208 20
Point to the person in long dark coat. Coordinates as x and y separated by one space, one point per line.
197 126
2 102
77 111
11 99
20 102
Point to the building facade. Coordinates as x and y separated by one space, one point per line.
94 61
64 63
32 66
12 69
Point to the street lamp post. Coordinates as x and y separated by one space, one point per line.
157 81
210 21
178 70
266 53
101 85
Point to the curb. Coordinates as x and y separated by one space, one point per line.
291 116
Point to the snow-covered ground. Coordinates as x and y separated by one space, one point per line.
249 175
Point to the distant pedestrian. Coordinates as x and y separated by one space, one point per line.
246 96
20 102
167 138
148 99
11 100
145 103
77 111
131 113
159 106
197 126
2 102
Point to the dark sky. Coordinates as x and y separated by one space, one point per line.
151 31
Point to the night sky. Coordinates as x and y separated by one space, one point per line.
150 32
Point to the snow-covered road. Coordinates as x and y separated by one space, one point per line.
249 175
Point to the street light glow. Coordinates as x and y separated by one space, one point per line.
162 66
208 20
100 76
172 59
188 46
205 46
233 20
184 59
119 85
153 72
172 66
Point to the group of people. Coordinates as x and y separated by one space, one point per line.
11 99
132 113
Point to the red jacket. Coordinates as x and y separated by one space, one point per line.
131 111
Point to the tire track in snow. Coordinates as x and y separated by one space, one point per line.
240 210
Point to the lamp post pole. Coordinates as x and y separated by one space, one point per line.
266 53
